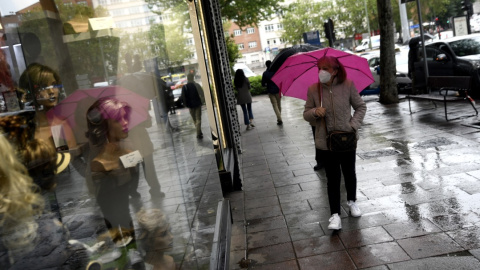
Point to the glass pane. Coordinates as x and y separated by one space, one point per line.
112 91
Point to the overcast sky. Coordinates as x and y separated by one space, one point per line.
9 7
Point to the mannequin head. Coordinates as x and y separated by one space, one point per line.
107 120
43 83
155 232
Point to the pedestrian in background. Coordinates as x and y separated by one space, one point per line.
329 103
193 98
273 92
244 99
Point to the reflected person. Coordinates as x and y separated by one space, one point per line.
193 98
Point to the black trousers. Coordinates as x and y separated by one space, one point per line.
317 152
335 164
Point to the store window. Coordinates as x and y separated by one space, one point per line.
118 163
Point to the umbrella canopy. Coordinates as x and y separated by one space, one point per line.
300 71
285 53
73 108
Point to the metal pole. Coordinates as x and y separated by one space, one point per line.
425 66
368 26
404 21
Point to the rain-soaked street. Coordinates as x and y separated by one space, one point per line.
418 188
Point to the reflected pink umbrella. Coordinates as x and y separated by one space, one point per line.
73 108
300 71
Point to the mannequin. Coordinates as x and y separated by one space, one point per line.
44 84
107 121
155 239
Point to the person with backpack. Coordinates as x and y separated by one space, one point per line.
273 92
193 98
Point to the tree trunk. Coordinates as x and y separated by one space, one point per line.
388 84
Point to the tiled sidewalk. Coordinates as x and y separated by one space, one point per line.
418 187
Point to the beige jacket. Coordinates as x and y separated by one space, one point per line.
338 100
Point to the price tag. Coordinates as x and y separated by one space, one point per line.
131 159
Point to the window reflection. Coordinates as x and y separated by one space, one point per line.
93 201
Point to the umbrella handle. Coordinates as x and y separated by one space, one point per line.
320 93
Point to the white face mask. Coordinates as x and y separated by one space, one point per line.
324 76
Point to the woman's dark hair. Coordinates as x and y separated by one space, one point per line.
239 78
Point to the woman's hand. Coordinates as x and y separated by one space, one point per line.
320 111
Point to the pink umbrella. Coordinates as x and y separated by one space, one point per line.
300 71
73 108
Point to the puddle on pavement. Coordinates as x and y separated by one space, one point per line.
433 143
379 153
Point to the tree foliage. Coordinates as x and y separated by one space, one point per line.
245 12
348 17
170 47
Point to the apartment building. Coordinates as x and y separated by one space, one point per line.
248 42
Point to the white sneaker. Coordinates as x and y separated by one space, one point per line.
249 127
335 222
251 123
354 210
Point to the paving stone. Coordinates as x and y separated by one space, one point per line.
364 237
329 261
271 254
411 229
317 245
429 245
267 238
377 254
438 263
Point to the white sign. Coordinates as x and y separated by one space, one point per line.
131 159
460 26
101 23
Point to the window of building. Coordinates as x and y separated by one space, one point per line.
250 30
280 26
189 41
252 44
117 12
269 28
240 46
134 10
237 32
137 22
103 2
226 33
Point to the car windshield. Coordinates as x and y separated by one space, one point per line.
465 47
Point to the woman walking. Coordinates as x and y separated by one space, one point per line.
328 107
244 97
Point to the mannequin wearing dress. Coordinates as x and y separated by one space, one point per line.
111 180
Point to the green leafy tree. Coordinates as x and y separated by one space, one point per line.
245 12
170 47
233 51
304 16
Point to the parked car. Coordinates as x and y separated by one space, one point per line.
364 45
401 59
457 56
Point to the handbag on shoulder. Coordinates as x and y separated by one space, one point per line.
337 140
341 141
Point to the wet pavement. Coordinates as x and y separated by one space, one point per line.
418 188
